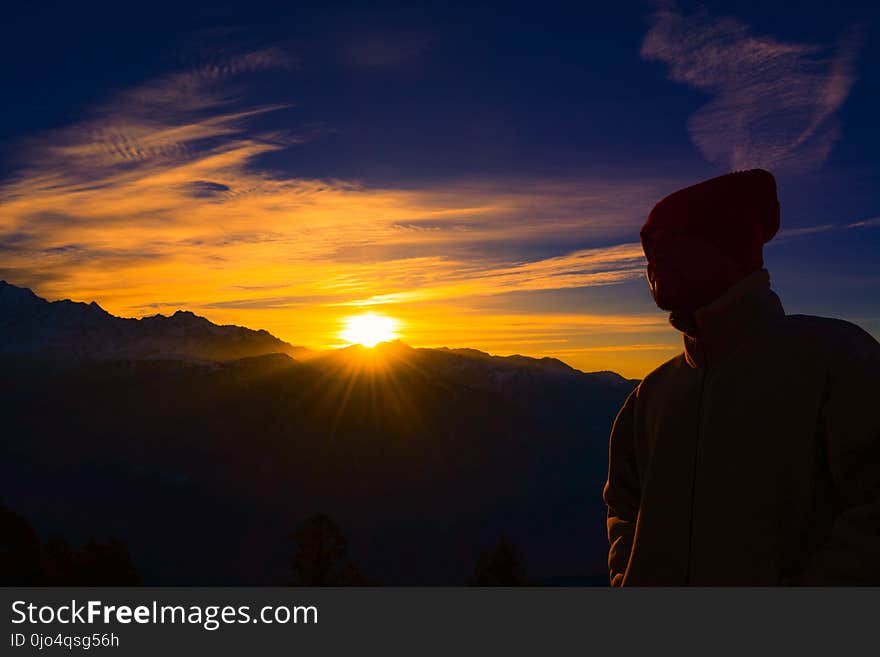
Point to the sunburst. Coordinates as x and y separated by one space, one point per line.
369 329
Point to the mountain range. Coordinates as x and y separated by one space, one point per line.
30 325
201 447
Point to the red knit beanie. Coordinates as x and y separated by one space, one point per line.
724 212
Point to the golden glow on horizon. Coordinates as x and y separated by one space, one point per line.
369 329
154 202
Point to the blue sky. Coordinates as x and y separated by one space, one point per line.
486 166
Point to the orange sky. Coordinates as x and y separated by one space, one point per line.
156 201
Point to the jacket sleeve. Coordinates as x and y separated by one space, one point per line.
622 491
851 422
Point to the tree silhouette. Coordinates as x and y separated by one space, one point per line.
500 566
25 560
63 561
22 560
106 564
320 558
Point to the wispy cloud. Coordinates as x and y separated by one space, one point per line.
773 102
865 223
788 233
159 187
156 199
583 268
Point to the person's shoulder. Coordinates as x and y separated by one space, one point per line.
828 328
830 334
671 369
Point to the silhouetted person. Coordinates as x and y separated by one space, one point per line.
753 458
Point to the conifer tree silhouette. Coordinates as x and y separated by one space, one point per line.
106 564
25 560
320 558
63 561
22 560
503 565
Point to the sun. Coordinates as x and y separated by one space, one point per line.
369 329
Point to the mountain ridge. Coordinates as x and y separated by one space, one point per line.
423 455
32 326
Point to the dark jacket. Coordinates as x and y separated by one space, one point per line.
753 458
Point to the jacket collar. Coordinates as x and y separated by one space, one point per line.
712 332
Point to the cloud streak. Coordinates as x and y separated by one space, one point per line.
789 233
773 103
156 199
160 184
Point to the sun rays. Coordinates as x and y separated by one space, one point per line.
369 329
155 200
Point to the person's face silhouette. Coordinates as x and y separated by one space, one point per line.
686 272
